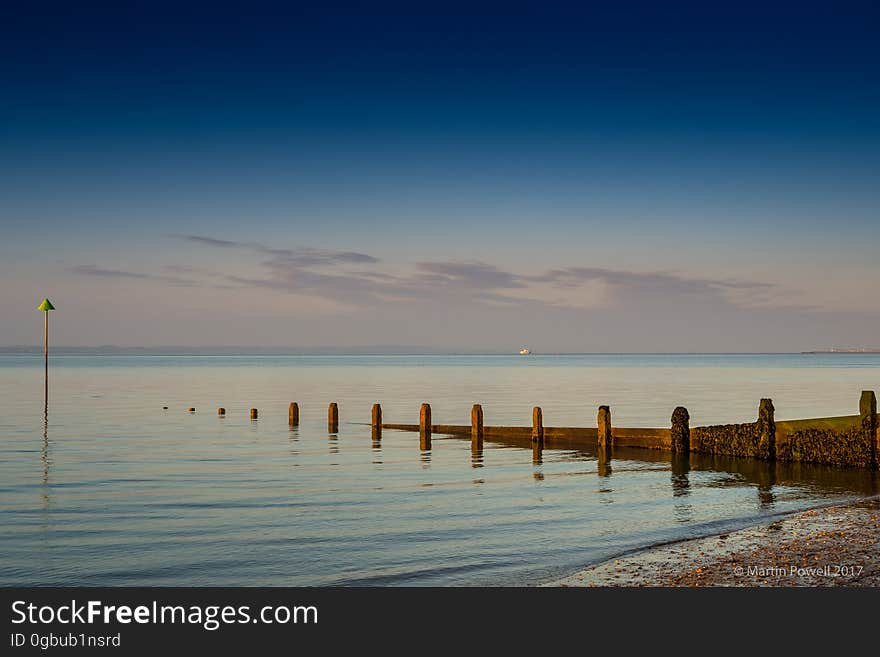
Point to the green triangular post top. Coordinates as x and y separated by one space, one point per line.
45 305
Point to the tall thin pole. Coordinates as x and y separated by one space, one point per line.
46 306
46 359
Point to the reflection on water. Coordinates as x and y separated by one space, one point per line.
680 468
765 488
603 461
125 494
44 457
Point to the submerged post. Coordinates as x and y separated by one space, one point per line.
293 414
254 413
333 418
681 430
221 411
376 421
477 427
425 426
868 419
603 421
766 430
537 425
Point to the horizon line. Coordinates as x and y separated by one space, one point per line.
391 350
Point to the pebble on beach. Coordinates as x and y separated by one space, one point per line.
832 546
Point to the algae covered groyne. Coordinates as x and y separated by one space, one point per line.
852 440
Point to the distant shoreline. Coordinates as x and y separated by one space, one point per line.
112 350
843 351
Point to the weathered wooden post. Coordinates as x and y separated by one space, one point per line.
425 427
254 413
681 430
376 421
603 421
868 419
766 430
537 425
221 411
332 418
868 406
192 409
477 428
293 414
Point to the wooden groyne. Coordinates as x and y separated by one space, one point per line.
850 440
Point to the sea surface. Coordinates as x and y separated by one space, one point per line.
108 488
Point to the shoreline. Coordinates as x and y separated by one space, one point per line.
836 545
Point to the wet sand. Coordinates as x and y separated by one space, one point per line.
831 546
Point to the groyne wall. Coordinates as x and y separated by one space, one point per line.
852 440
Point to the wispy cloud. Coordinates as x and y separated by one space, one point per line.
208 241
354 279
94 270
300 257
622 285
478 275
102 272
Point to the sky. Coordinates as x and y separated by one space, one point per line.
572 177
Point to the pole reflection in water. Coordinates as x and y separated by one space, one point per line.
681 466
603 461
604 470
766 483
376 448
537 454
293 436
44 451
538 459
681 486
333 440
476 458
45 459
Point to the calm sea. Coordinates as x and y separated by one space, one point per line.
114 490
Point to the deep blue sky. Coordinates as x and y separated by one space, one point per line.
648 176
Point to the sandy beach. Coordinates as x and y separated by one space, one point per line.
830 546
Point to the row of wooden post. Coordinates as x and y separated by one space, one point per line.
426 425
677 439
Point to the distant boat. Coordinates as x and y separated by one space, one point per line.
524 351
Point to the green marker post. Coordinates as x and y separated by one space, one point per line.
46 306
